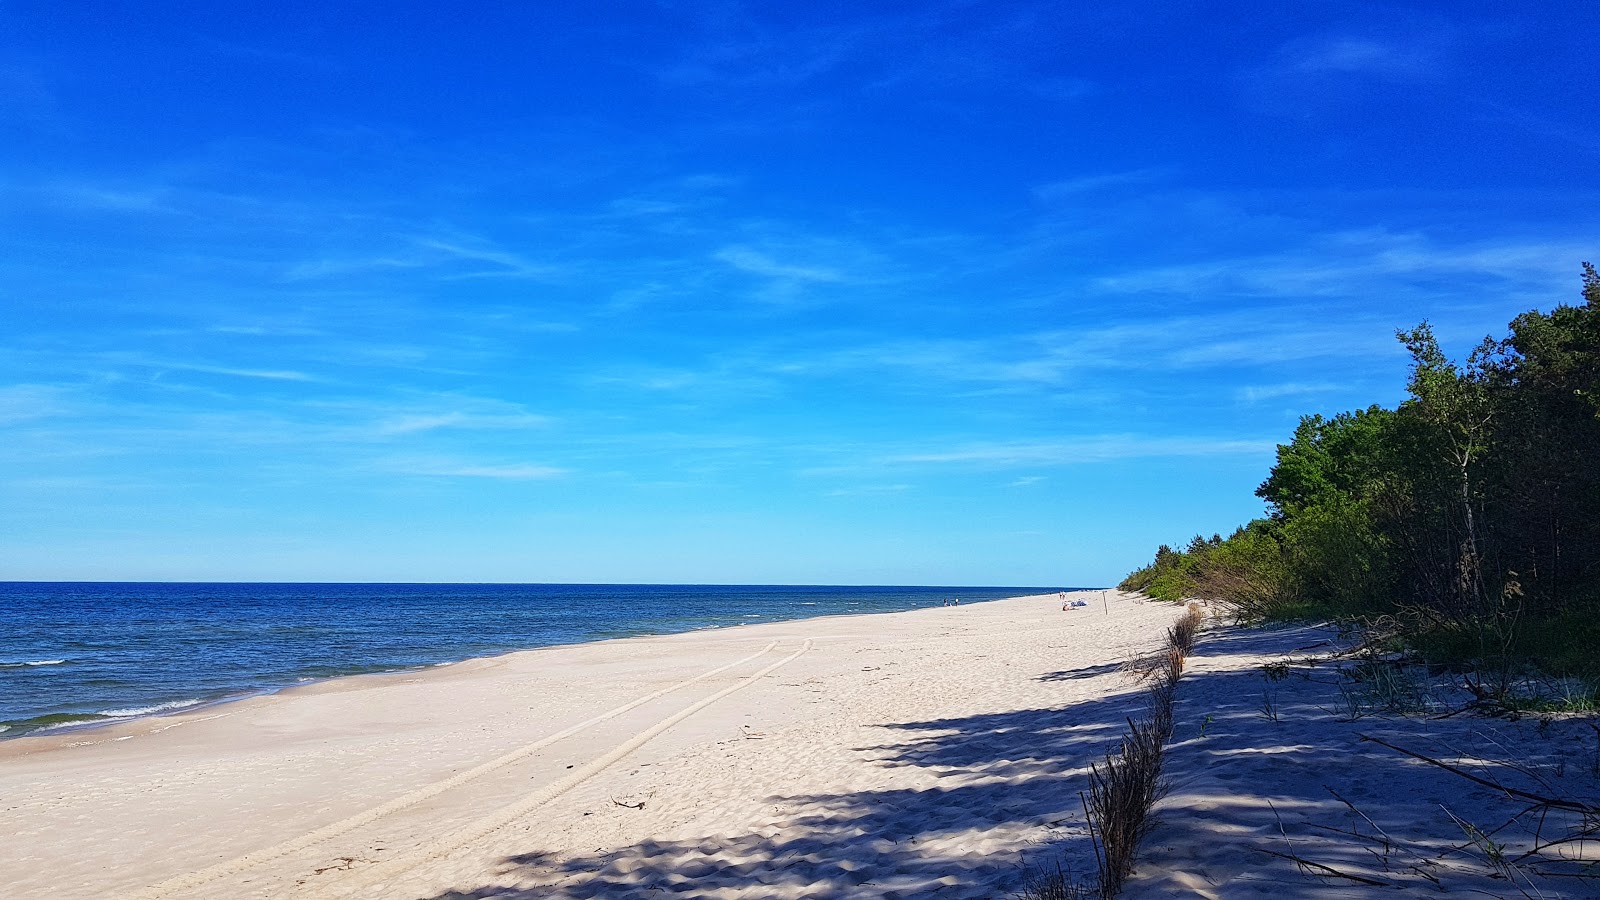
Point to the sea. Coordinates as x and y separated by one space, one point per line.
76 655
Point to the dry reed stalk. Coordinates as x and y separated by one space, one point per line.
1120 796
1122 790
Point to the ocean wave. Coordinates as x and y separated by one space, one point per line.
31 662
69 723
132 711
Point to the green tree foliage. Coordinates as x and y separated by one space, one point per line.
1169 577
1471 508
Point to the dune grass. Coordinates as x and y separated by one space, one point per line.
1126 784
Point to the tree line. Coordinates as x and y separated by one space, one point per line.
1469 515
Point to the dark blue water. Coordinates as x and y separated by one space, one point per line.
80 653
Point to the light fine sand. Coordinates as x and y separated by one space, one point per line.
1279 787
928 753
934 753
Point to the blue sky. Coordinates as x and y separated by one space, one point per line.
932 293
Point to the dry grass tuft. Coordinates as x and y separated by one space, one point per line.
1124 787
1120 796
1181 636
1122 790
1057 885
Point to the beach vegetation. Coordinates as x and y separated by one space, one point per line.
1124 787
1466 518
1057 884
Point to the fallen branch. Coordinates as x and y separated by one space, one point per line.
1330 870
1552 802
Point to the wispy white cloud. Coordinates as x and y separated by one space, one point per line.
332 268
264 330
446 256
102 198
1054 360
230 371
1074 188
869 490
1354 263
1363 56
1319 71
1259 393
425 422
507 472
498 263
1093 449
756 262
25 402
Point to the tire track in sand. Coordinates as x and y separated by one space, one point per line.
506 815
234 866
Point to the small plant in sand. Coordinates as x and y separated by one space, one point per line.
1128 783
1493 852
1594 761
1269 705
1181 636
1121 793
1059 884
1384 686
1275 671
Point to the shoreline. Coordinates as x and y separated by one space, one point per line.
939 750
49 733
177 703
372 768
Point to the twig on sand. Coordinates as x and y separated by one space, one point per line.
1388 843
345 864
1327 870
1094 839
1587 809
626 805
1304 863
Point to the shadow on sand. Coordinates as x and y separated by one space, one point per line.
1005 770
1021 772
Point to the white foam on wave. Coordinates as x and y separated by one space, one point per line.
32 662
148 710
55 726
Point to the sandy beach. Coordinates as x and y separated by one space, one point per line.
1288 780
938 752
903 754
